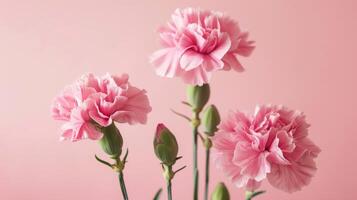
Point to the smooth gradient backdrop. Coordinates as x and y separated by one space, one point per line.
305 59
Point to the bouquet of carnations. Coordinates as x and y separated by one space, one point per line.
271 143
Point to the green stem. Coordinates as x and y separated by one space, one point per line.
196 122
207 172
169 190
122 186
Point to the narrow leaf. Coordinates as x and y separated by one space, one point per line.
257 193
157 195
181 115
102 161
126 155
186 103
180 169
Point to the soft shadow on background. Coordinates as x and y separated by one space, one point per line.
305 59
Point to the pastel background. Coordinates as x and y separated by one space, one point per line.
305 58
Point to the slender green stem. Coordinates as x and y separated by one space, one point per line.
169 190
122 185
208 150
196 123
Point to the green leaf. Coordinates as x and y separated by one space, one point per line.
250 195
257 193
157 195
125 156
102 161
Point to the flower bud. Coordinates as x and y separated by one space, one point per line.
198 96
165 145
211 119
220 192
112 141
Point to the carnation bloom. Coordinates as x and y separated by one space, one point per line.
198 42
272 144
93 102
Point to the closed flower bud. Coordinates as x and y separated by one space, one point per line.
198 96
112 141
165 145
220 192
211 119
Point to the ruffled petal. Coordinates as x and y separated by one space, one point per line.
166 62
222 47
190 60
292 178
253 163
231 62
197 76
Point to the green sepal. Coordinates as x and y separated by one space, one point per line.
112 141
220 192
165 145
211 120
198 96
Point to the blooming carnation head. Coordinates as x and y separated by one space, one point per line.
273 143
198 42
93 102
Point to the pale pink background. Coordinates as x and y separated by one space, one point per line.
305 58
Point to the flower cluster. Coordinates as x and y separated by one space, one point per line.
272 144
93 102
198 42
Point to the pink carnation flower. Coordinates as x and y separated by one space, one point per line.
93 101
199 42
271 144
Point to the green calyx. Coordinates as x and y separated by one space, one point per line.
211 120
220 192
198 96
112 141
165 146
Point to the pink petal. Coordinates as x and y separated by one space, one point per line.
291 178
222 47
245 48
253 185
231 61
187 39
99 118
276 155
223 161
310 147
225 142
197 76
91 132
121 80
166 62
136 108
253 163
212 64
190 60
167 39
